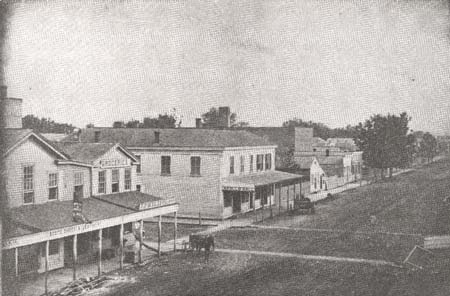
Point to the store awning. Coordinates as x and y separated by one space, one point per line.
250 182
135 200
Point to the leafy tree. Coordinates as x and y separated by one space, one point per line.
90 125
132 124
45 125
385 142
211 118
428 146
321 130
166 120
118 124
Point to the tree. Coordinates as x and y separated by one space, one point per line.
166 120
211 118
321 130
90 125
45 125
385 142
428 146
118 124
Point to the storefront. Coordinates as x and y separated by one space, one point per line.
250 192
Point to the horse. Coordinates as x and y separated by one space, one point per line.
199 242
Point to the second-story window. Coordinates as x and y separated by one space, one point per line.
52 186
268 161
165 165
78 186
259 162
231 164
102 182
127 179
195 166
242 163
115 181
251 163
138 166
28 186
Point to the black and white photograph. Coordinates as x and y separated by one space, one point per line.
224 147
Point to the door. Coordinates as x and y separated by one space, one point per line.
236 202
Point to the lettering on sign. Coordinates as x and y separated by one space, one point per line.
113 162
156 203
236 188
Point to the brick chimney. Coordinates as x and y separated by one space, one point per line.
224 117
11 110
198 123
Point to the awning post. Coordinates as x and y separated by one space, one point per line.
99 267
141 234
121 247
47 245
159 236
16 262
253 195
74 255
175 232
270 201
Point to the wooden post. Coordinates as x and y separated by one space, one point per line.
141 237
47 245
270 201
159 236
74 255
279 199
199 218
16 262
287 197
121 247
295 196
175 232
252 195
100 232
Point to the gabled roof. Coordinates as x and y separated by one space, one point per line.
54 137
12 138
304 162
176 137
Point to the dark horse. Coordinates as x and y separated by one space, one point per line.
200 241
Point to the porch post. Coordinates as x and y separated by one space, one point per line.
279 198
175 232
16 262
121 246
287 197
100 232
252 195
74 255
270 201
47 245
159 236
141 234
295 196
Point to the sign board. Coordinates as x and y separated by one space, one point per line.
156 204
238 188
104 163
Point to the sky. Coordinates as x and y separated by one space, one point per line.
336 61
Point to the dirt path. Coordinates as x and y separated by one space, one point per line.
311 257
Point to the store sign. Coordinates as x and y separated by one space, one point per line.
156 204
113 162
237 188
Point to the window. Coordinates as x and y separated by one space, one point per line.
138 166
97 136
195 166
138 188
251 163
165 165
231 164
102 182
327 152
259 162
53 186
115 181
268 161
127 179
53 248
78 186
227 199
242 163
28 188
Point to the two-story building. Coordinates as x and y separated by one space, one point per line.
213 173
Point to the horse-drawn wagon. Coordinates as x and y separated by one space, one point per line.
303 205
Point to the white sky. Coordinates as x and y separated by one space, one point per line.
335 61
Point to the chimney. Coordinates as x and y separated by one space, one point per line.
224 117
198 123
11 110
157 133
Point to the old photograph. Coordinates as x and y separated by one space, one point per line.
224 147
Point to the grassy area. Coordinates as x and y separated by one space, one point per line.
409 203
151 230
232 274
368 246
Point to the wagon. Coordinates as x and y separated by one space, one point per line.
303 205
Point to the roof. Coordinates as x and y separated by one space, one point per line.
304 162
283 137
176 137
317 141
133 200
58 214
342 143
83 152
331 160
259 179
54 137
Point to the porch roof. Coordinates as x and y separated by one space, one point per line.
135 200
250 182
